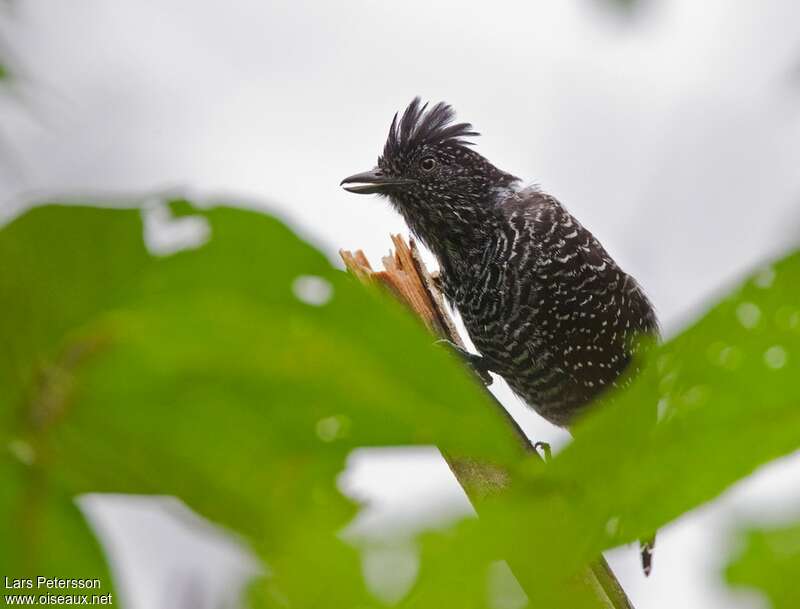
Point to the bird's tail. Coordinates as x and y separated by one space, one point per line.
647 547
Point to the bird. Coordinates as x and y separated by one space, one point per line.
545 305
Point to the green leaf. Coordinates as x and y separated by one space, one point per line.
44 535
218 375
454 570
770 562
204 375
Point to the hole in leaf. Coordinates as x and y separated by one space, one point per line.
165 234
312 290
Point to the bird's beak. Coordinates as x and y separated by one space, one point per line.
371 182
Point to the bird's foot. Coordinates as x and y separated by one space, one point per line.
547 453
477 362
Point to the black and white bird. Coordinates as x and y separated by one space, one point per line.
543 302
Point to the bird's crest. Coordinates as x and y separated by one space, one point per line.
419 126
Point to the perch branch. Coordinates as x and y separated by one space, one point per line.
408 279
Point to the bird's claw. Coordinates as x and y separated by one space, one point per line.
547 453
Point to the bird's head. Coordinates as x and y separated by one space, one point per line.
429 172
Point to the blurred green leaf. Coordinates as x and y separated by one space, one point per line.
44 533
769 562
238 376
205 375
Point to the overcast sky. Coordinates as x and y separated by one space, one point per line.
673 134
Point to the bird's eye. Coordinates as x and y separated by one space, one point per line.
428 163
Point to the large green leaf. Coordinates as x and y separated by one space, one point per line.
770 562
203 375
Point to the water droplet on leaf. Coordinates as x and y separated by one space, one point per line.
333 428
696 396
764 277
726 356
22 451
749 315
662 408
775 357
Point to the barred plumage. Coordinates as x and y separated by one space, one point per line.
546 306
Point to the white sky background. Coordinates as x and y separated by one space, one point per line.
673 136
